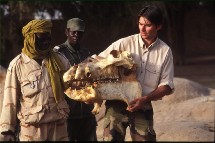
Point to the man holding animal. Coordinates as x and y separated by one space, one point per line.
110 78
154 72
104 77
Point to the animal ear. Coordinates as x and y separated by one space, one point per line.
115 53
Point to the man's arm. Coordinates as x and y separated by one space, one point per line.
153 96
8 120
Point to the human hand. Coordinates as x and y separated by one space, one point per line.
136 104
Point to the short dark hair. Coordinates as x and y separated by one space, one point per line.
152 13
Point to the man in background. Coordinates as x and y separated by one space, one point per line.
81 123
34 88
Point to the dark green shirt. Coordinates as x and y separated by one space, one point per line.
75 55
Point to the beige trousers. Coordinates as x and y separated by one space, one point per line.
53 131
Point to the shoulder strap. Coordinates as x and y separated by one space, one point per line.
58 48
63 50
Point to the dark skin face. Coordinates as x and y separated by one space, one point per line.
42 41
74 37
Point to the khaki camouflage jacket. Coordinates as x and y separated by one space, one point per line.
28 95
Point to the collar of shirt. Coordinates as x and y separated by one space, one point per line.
26 59
71 49
143 45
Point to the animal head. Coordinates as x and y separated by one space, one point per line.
84 78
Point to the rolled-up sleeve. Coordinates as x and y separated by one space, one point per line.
167 73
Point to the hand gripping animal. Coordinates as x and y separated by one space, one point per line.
111 78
